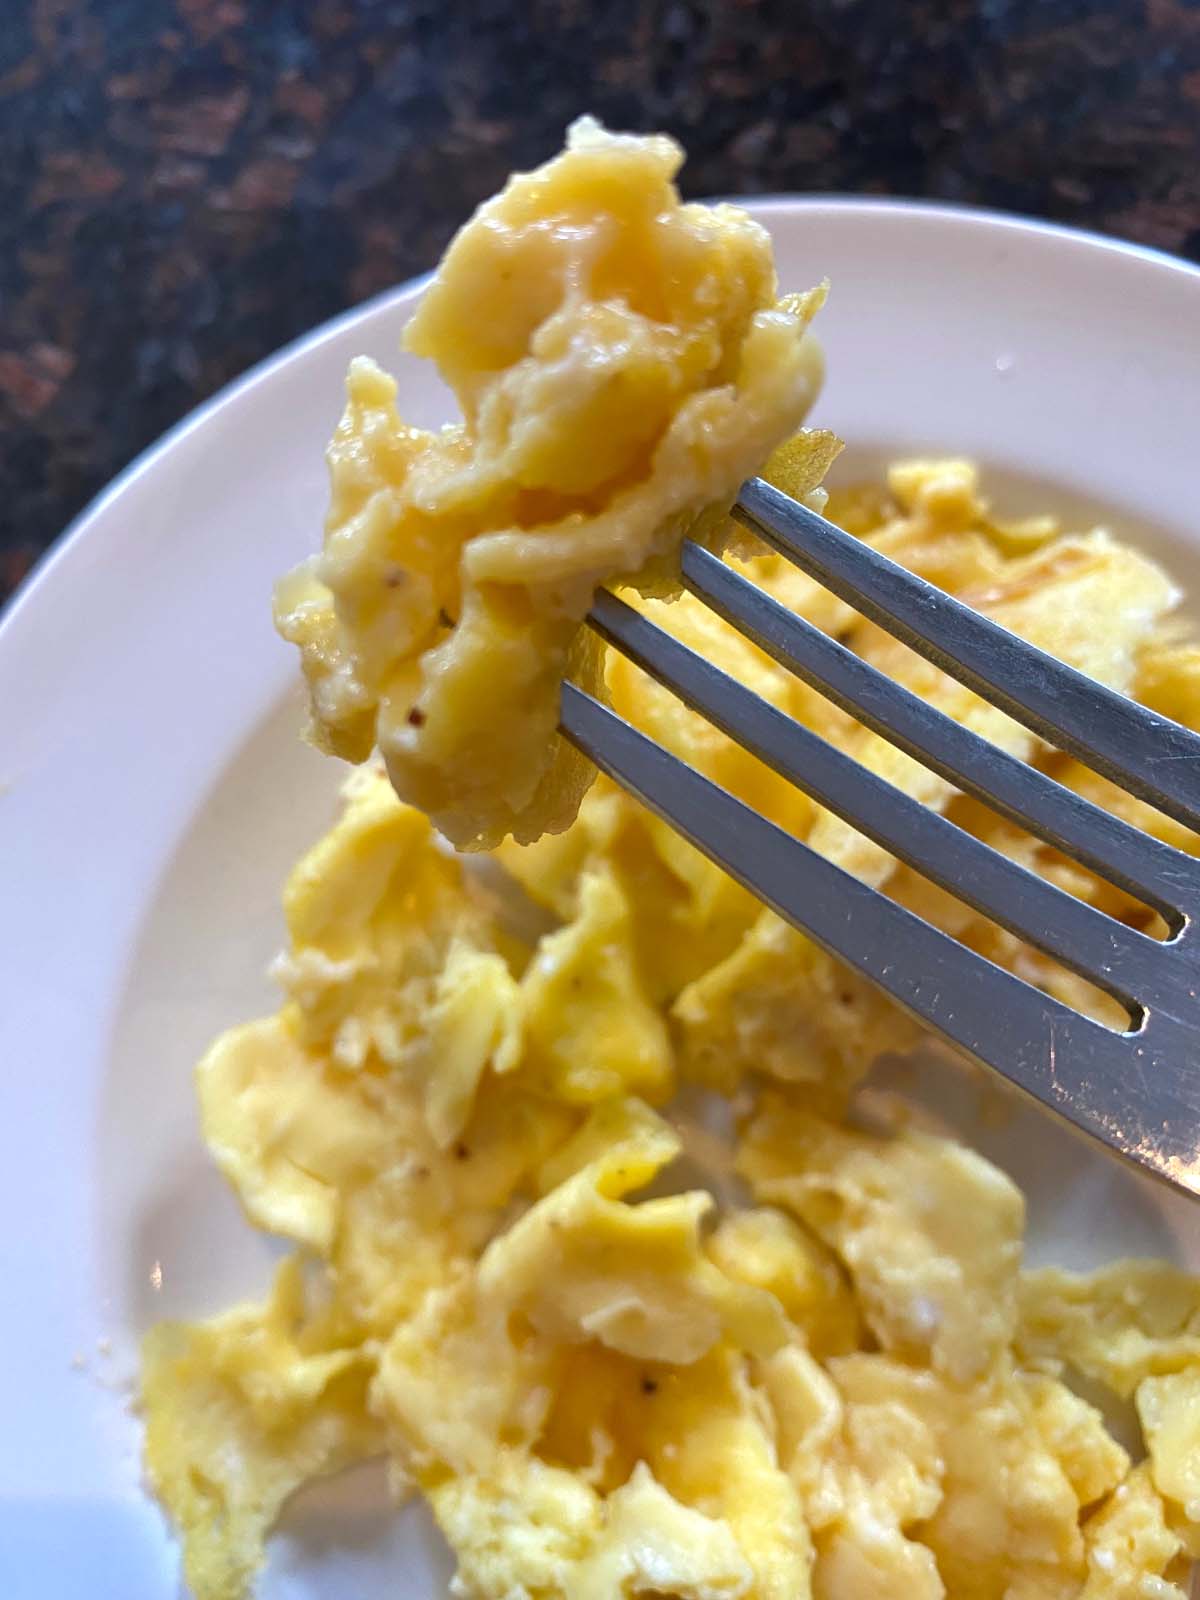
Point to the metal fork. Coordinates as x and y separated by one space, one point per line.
1138 1091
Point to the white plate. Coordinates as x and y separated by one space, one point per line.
153 793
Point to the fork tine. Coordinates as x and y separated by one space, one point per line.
1109 954
1072 1065
1144 866
1154 758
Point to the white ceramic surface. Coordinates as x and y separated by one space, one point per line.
153 793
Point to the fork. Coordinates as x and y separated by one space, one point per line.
1137 1091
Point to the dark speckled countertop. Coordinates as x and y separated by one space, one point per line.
187 184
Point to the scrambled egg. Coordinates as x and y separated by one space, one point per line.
607 1385
622 364
835 1382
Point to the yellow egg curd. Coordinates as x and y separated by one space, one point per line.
622 363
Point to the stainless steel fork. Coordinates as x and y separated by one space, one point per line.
1138 1091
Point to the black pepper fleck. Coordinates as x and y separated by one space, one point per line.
416 718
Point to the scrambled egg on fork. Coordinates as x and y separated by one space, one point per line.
622 363
844 1385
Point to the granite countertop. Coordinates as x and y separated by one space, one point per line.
188 184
